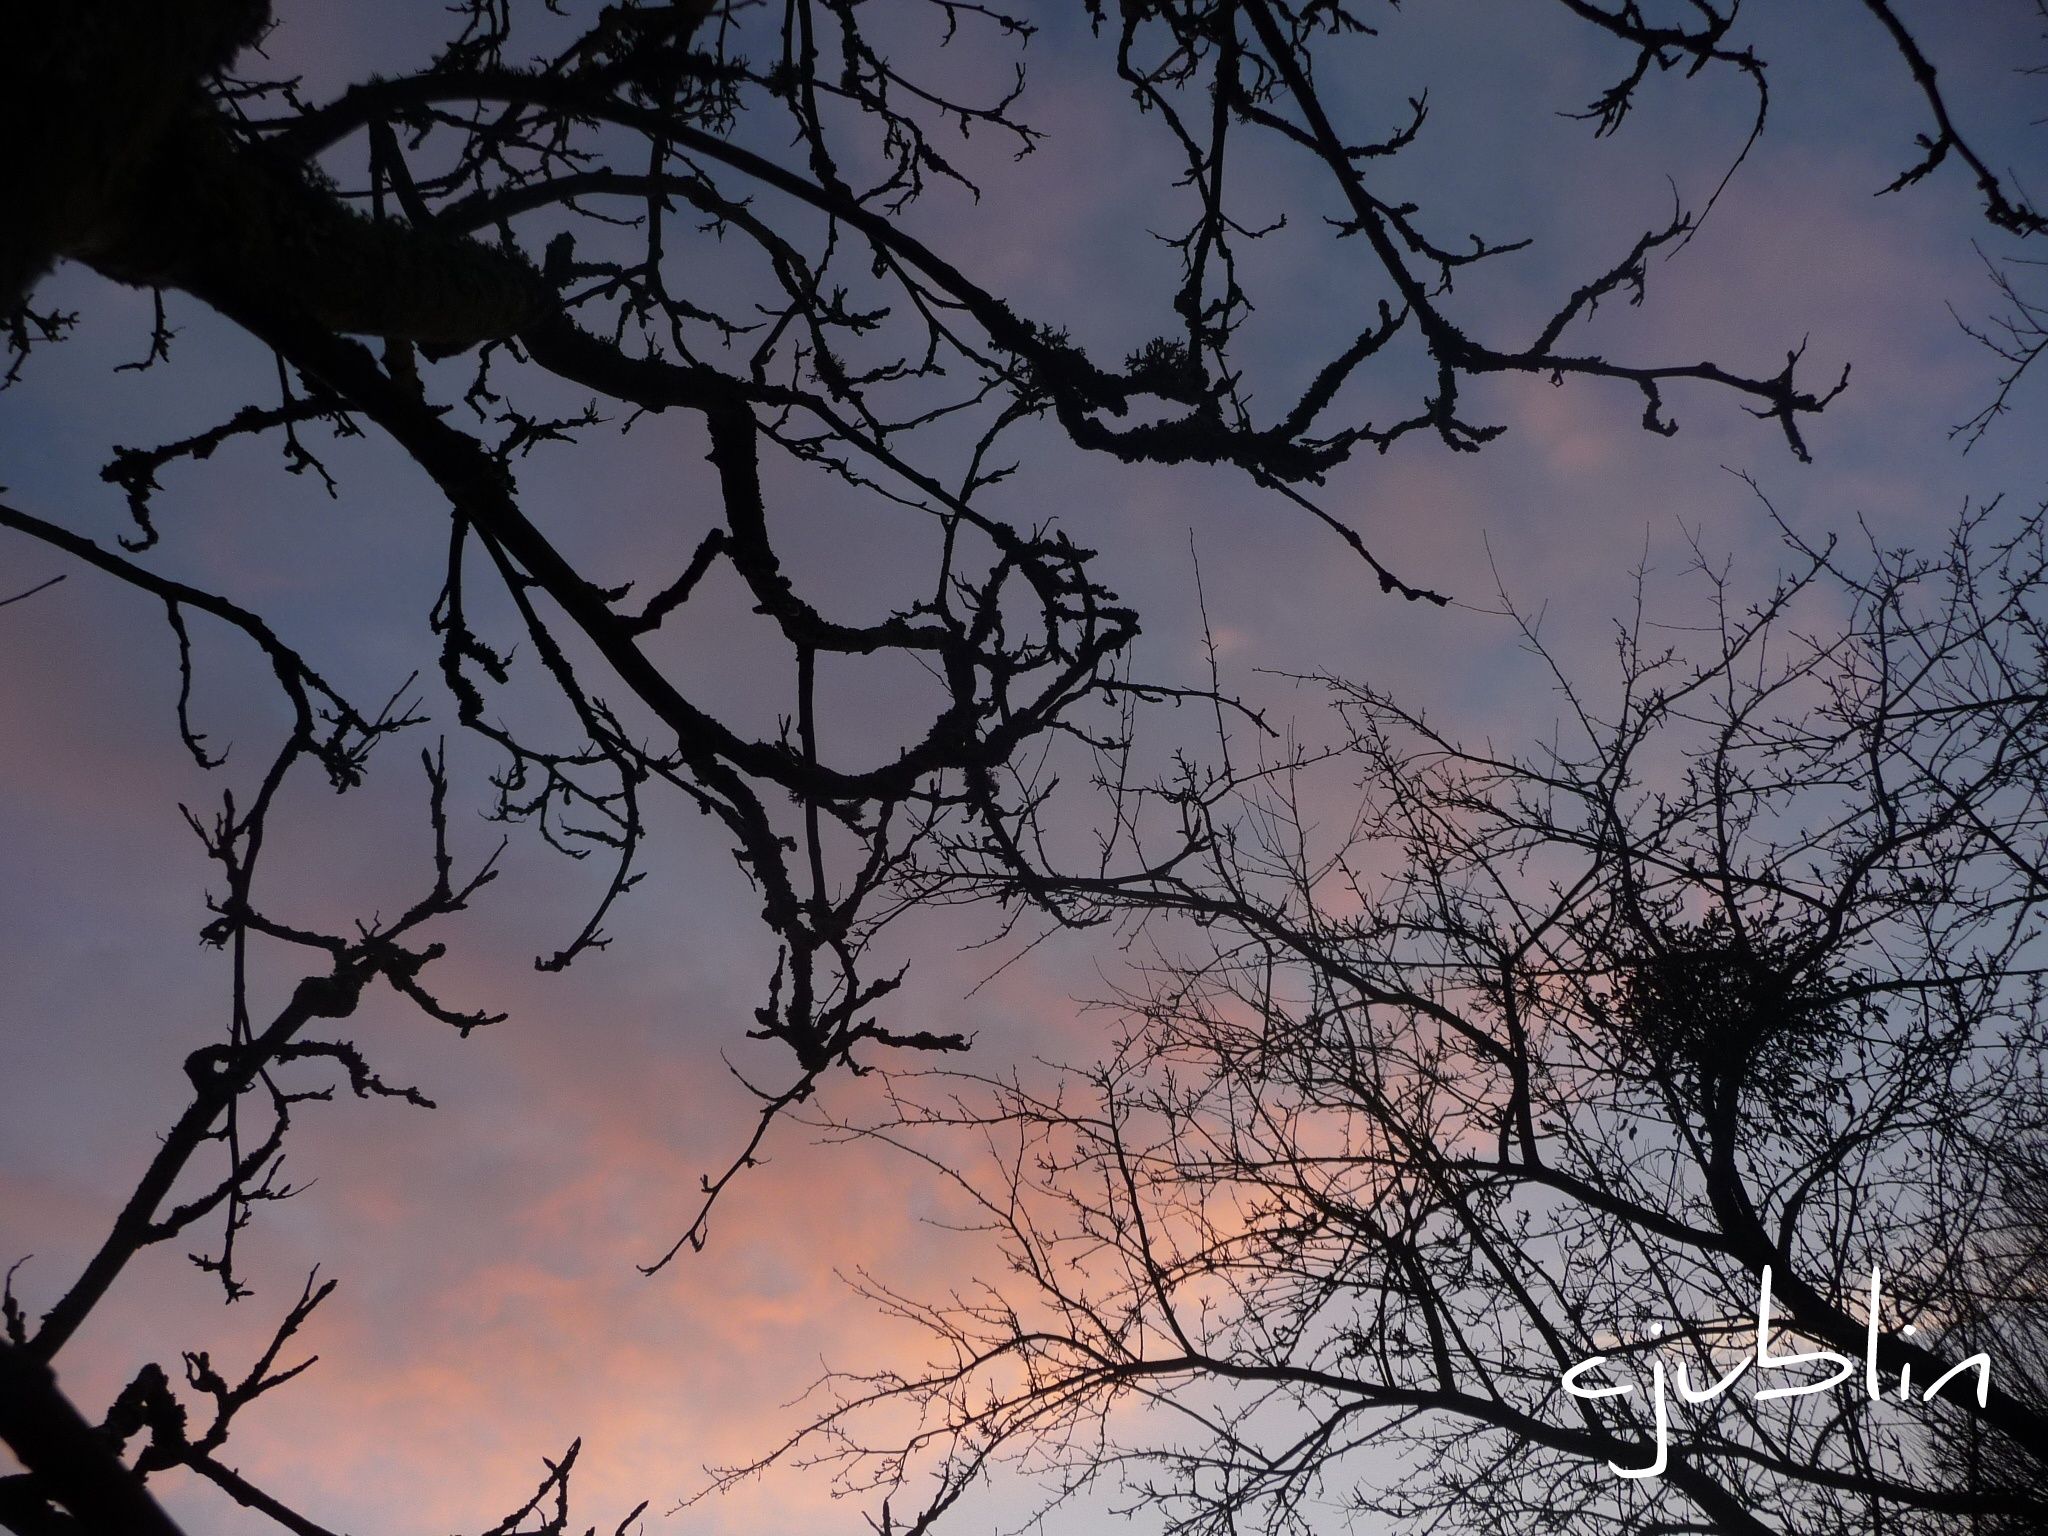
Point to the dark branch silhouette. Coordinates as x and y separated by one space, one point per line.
436 257
1547 1058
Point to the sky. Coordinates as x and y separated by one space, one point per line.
489 1309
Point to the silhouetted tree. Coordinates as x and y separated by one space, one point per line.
1551 1057
442 256
2005 1313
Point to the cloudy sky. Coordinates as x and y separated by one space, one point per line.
489 1309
